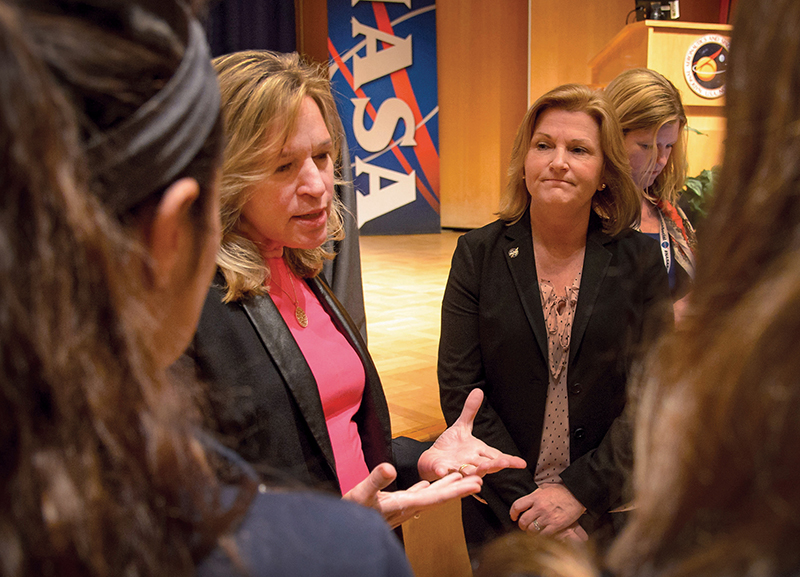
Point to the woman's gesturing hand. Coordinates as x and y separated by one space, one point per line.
457 450
399 506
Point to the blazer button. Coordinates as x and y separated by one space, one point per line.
579 434
575 388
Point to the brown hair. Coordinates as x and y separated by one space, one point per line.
618 204
520 554
717 464
645 100
107 86
262 92
101 470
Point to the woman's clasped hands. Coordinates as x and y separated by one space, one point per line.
550 510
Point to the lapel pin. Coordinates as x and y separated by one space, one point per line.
513 252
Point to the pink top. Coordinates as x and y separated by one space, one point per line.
336 367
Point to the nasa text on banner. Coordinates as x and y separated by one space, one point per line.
383 72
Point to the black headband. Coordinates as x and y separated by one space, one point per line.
149 149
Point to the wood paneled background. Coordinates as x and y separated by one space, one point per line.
482 98
485 83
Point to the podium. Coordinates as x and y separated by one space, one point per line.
668 47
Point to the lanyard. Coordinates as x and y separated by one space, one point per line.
663 241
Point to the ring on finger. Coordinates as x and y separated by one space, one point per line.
536 525
464 466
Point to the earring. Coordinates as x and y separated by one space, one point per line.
603 186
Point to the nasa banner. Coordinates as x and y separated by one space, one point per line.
383 74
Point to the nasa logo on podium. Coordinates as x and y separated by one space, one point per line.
706 64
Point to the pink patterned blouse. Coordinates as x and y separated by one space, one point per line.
558 314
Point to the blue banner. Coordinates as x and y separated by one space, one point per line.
383 72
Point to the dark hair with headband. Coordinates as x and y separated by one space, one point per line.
148 93
101 472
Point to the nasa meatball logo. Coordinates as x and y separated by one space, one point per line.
705 65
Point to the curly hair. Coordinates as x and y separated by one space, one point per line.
102 473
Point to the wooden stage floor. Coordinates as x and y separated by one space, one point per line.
404 279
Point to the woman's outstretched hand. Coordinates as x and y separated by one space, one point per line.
457 450
399 506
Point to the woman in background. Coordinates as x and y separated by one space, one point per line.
104 471
717 467
544 311
654 126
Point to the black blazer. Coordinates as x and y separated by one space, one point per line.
264 400
494 337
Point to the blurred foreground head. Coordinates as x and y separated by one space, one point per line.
100 474
717 464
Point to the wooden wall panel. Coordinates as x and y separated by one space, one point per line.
700 11
482 46
567 34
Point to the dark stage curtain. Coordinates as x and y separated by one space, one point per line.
234 25
344 272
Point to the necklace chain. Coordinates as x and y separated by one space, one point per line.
299 313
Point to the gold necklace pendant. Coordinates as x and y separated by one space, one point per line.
300 315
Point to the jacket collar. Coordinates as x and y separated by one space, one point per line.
595 268
518 253
277 339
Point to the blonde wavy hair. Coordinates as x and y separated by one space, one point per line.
262 92
618 204
645 100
